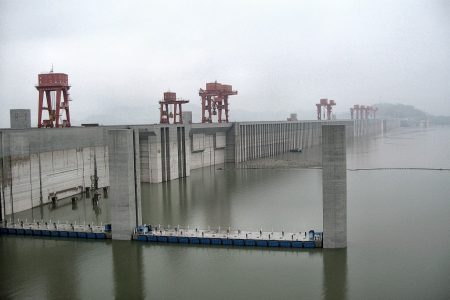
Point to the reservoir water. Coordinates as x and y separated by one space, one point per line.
398 234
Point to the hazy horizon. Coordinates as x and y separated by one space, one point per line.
281 56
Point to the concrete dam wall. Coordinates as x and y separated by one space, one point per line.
38 165
253 140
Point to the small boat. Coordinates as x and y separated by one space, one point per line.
297 150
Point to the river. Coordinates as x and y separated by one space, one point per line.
398 234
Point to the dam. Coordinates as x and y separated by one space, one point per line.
40 166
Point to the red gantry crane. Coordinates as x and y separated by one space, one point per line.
215 101
170 109
363 112
55 87
325 109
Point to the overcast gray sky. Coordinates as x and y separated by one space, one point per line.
282 56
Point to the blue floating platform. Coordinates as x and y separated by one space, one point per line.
261 243
309 244
172 239
227 242
37 232
60 230
216 242
183 240
194 240
250 243
285 244
142 238
238 242
205 241
274 244
162 239
296 244
100 236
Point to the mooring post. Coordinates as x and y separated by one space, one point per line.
334 186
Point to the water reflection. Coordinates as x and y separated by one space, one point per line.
196 200
334 273
241 198
128 270
42 266
81 210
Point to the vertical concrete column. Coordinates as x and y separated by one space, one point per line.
2 198
272 139
254 142
244 143
137 172
247 142
7 195
187 149
233 144
278 138
125 212
334 186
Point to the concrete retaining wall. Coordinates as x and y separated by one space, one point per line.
209 144
252 140
33 173
164 153
37 164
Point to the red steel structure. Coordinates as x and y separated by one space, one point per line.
215 101
363 112
370 112
53 86
374 111
325 109
170 109
354 112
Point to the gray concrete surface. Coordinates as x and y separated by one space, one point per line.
124 202
38 164
20 118
334 186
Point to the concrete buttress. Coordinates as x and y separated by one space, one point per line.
334 186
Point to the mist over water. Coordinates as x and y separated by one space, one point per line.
398 234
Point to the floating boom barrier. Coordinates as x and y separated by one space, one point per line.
217 237
49 229
176 235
